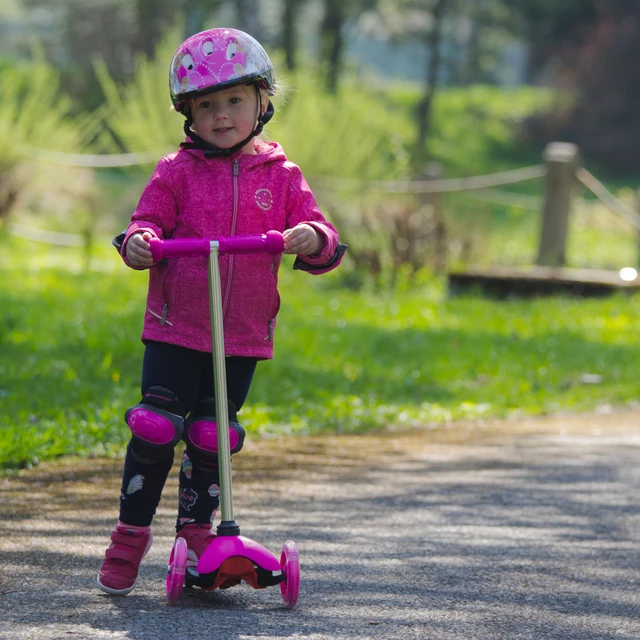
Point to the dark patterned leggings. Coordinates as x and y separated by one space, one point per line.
189 375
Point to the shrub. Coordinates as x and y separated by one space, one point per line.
34 123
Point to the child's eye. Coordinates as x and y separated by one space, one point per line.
205 104
235 100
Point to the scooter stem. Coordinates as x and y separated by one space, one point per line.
227 525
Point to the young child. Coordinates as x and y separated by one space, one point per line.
223 181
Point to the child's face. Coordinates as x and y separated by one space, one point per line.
225 118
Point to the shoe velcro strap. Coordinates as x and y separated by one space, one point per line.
126 539
123 553
131 544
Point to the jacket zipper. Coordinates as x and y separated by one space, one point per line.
234 171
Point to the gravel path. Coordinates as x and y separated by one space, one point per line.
515 531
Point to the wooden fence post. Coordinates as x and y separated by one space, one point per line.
436 226
562 159
638 231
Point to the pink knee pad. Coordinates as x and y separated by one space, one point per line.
155 426
203 434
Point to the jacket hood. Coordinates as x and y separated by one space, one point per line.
266 151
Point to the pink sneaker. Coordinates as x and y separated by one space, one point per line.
198 537
122 559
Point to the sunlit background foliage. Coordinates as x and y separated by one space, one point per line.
370 90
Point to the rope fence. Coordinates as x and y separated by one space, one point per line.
505 198
476 187
95 161
47 237
605 196
435 186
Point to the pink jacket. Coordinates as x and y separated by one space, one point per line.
191 196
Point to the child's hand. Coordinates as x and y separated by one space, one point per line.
303 240
138 252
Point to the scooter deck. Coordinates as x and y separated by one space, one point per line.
231 559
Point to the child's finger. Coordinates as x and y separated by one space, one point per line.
139 249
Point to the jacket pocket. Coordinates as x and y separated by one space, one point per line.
162 317
275 302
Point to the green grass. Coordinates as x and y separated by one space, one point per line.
346 361
70 355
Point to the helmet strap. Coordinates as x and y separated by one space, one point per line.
213 152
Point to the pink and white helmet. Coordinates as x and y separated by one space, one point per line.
218 59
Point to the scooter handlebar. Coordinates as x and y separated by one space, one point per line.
178 248
271 242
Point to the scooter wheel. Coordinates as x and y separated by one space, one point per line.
176 571
290 586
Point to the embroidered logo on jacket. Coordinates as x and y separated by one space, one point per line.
264 198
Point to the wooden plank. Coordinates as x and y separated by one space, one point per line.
506 282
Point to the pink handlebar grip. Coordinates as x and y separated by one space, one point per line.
272 243
178 248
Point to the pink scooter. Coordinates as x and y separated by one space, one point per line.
230 558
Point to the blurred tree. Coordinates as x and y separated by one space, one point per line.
79 30
331 39
248 17
432 38
289 16
153 17
591 51
481 31
196 13
114 30
551 28
336 15
423 20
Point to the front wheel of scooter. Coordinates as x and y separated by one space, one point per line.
290 586
176 571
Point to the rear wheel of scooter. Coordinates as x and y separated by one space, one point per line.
290 586
176 571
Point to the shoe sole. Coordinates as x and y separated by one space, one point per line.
115 592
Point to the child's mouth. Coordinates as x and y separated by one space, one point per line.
223 130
